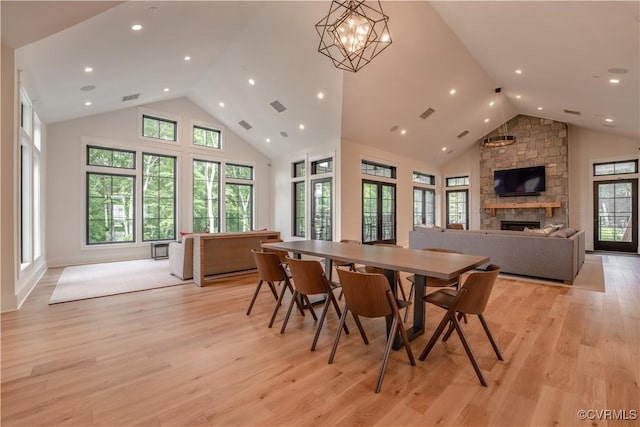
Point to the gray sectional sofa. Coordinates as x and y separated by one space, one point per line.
546 256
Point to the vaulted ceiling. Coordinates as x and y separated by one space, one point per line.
567 52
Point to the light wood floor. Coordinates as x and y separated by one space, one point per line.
190 356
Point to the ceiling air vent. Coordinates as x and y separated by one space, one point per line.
245 125
427 113
284 134
277 105
130 97
575 113
463 133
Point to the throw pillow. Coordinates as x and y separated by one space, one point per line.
541 231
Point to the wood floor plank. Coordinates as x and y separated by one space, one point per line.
189 356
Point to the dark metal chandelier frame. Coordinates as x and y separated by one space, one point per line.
369 33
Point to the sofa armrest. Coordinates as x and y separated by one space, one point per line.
181 258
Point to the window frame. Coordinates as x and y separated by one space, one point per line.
90 146
159 115
209 127
134 209
614 163
424 205
142 195
384 167
218 223
226 181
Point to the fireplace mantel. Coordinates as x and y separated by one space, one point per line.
548 206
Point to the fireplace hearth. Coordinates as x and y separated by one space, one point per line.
518 225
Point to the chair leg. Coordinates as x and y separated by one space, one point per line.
434 338
360 328
404 296
412 292
387 350
451 328
279 302
494 344
322 317
343 318
401 329
286 318
470 354
311 310
273 290
253 298
337 308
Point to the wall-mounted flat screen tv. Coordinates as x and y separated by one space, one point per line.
520 181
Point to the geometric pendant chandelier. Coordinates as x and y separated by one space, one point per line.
353 33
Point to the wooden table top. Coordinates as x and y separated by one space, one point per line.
440 265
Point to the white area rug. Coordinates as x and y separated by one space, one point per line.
98 280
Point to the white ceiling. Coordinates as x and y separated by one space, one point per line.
565 50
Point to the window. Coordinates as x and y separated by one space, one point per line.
206 137
322 209
157 128
459 181
109 157
378 212
206 196
377 169
110 208
458 201
424 206
238 200
158 197
421 178
615 168
299 169
299 222
321 166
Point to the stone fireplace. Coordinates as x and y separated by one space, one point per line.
538 142
518 225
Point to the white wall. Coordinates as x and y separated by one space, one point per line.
65 179
466 163
585 148
350 214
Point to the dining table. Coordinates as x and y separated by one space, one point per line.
423 264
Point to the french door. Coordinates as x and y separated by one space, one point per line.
378 212
321 209
616 215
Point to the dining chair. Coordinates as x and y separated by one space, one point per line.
281 254
369 295
471 298
378 270
309 279
271 270
432 282
341 263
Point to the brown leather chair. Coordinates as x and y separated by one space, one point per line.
369 295
471 298
271 270
309 279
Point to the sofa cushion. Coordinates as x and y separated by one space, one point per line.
539 231
563 233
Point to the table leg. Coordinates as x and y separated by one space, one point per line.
417 329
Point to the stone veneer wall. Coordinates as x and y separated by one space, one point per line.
538 142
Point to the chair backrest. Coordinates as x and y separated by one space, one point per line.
269 266
454 226
478 286
282 254
366 294
308 276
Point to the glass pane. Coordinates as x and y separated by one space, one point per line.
238 171
376 169
626 167
388 212
418 207
299 209
298 170
158 190
150 127
206 183
322 166
239 207
321 215
110 208
206 137
167 131
369 212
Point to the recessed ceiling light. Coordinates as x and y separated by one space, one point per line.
252 82
539 108
614 81
221 104
320 95
166 89
136 27
87 103
187 58
403 131
518 71
518 96
608 120
491 104
88 69
452 92
486 120
268 140
301 126
444 148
